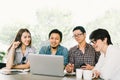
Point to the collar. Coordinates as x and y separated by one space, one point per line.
49 47
28 49
86 47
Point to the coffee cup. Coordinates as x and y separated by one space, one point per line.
79 73
88 75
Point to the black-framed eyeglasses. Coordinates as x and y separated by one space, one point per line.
77 35
23 60
93 41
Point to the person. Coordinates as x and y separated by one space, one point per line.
19 50
108 66
81 55
55 38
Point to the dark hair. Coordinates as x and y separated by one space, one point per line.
18 37
100 34
79 28
56 31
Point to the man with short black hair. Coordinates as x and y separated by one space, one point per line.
82 55
55 38
108 66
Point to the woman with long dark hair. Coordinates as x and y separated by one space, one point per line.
19 50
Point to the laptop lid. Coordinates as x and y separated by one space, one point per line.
52 65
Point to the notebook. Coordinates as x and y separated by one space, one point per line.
13 71
51 65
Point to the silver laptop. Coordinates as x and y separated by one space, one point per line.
52 65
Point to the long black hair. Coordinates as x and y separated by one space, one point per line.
18 37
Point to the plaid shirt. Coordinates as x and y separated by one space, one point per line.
77 57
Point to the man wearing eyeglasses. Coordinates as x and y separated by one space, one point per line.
82 55
108 66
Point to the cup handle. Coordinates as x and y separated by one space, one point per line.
93 75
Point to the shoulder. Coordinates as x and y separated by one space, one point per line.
18 50
62 47
31 49
113 49
45 47
89 46
62 50
44 50
74 48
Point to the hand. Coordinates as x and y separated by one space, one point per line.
96 73
15 44
69 68
87 67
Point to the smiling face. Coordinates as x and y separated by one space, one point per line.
99 45
26 38
54 40
100 39
79 36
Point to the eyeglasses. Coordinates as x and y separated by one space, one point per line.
23 60
93 42
77 35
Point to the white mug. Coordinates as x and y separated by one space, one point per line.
88 75
79 73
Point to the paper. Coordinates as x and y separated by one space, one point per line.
13 71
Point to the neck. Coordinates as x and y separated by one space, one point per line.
82 44
104 49
23 48
53 50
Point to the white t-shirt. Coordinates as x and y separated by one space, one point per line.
109 64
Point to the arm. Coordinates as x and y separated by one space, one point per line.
70 67
111 66
98 66
10 59
11 54
65 54
90 67
87 67
22 66
27 64
71 57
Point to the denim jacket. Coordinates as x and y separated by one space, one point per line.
60 51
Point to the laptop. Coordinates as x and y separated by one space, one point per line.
51 65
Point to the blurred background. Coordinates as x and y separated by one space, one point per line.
41 16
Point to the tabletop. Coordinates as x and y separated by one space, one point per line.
30 76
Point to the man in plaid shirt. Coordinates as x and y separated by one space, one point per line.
82 55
